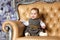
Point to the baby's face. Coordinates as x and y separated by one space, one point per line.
33 14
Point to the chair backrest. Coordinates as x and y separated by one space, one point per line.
50 14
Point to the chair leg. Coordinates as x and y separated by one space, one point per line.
9 34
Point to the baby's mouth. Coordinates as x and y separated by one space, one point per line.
32 16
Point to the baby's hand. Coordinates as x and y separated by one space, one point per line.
43 27
27 34
26 23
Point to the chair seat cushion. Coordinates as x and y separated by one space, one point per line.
39 38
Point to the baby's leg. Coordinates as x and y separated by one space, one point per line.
27 34
42 34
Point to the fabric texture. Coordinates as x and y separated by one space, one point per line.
34 27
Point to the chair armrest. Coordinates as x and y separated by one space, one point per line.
16 26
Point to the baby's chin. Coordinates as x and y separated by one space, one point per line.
33 18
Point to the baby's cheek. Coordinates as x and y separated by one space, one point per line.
31 16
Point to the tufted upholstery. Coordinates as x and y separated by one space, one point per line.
49 13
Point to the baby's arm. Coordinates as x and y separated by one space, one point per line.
26 23
42 24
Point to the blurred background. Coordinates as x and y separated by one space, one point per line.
8 11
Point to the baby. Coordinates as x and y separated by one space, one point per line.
35 26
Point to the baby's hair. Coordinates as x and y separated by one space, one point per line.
37 11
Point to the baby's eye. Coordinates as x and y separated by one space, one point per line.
35 13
